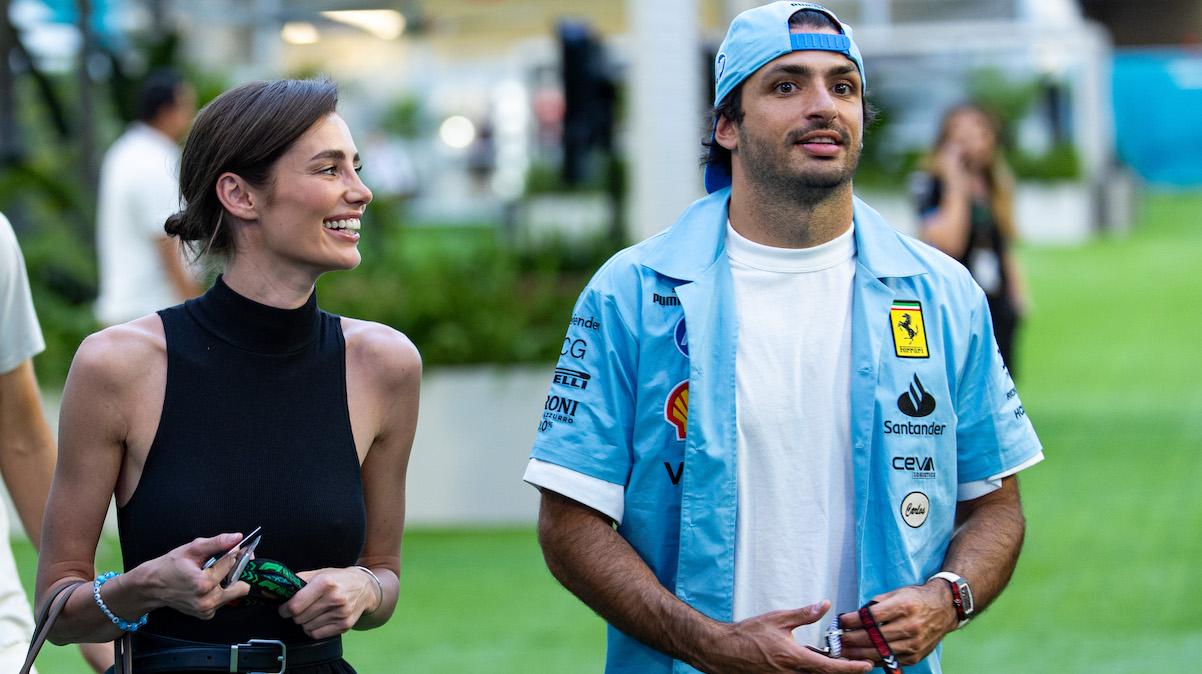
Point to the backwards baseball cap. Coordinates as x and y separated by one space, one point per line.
756 37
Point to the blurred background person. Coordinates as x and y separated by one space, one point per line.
141 269
26 450
966 206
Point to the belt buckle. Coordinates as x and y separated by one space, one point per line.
282 657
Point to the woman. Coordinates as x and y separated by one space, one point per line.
966 203
246 407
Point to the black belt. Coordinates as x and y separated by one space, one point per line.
153 653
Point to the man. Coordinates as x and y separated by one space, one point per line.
738 395
141 269
26 451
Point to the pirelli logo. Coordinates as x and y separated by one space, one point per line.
909 332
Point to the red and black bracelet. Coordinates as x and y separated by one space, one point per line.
890 665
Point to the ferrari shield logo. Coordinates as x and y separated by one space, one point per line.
909 334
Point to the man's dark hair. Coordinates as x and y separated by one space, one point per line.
159 91
731 107
243 131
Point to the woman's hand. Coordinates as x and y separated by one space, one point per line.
176 580
952 167
332 601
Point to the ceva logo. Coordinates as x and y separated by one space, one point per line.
916 402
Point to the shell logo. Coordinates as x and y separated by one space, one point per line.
676 408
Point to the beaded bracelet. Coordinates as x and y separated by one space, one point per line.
121 624
379 587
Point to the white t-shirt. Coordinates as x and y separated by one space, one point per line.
139 189
20 336
796 517
20 339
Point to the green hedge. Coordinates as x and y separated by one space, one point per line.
463 294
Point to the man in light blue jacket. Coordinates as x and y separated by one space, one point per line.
782 404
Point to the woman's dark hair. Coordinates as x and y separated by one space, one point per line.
731 107
242 131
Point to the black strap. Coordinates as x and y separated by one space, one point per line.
46 617
163 654
890 665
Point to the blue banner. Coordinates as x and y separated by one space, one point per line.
1157 96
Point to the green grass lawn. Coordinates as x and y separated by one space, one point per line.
1108 582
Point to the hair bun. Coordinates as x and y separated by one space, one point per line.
174 225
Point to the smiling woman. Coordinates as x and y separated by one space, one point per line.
247 407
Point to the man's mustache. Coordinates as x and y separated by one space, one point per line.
796 135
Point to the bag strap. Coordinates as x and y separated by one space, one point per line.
123 655
46 618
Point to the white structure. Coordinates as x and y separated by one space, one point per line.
667 96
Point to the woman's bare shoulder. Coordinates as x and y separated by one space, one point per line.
121 353
379 350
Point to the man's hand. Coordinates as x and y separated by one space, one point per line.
912 619
764 643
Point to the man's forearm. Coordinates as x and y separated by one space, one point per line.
597 565
182 283
985 547
26 447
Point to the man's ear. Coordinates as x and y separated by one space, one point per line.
237 197
726 133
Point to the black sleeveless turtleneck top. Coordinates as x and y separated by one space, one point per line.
255 431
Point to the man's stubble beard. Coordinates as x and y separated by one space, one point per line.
767 167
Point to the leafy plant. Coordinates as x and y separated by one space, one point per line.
462 294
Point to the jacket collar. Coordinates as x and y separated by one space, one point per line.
698 238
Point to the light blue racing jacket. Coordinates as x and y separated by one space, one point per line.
644 397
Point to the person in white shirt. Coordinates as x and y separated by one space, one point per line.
26 450
141 269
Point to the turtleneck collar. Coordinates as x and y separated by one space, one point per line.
252 326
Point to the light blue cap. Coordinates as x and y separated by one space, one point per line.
756 37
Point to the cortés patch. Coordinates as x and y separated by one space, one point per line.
676 408
909 332
914 509
571 378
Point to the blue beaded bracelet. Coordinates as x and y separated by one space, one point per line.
121 624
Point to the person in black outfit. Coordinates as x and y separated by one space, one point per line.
966 203
246 407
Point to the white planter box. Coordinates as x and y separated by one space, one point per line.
1046 213
474 434
1054 213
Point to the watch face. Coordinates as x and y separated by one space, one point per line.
966 597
